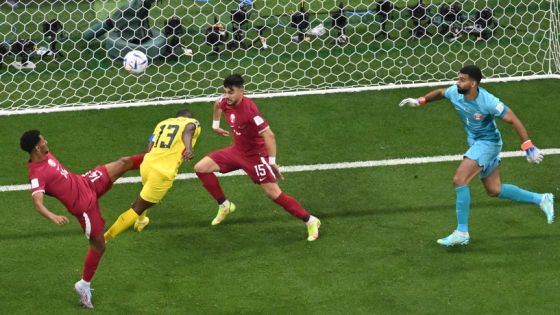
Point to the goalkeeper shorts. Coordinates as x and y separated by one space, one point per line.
486 154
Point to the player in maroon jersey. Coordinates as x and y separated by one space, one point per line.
253 150
79 194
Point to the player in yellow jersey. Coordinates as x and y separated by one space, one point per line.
171 143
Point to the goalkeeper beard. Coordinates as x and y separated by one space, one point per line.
462 91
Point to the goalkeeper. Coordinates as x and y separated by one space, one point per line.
477 108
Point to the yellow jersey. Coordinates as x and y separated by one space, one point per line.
167 149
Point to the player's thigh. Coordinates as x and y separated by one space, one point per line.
92 222
486 154
99 180
258 169
155 188
206 165
493 183
224 161
117 168
466 171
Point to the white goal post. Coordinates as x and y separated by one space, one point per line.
63 55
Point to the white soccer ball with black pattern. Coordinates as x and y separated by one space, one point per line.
135 62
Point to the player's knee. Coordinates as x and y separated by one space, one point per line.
459 180
493 191
199 167
203 166
98 243
272 192
125 161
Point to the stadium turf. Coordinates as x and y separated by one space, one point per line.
377 252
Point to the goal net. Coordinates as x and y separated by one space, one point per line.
58 55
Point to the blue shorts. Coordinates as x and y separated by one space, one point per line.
486 154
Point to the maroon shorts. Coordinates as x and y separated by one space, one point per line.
91 220
255 165
99 180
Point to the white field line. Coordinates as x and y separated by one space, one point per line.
212 98
322 167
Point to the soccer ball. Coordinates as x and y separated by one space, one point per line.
135 62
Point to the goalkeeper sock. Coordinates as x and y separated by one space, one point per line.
515 193
123 222
462 207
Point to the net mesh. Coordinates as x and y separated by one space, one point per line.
58 53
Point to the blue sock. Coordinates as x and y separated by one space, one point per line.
515 193
462 207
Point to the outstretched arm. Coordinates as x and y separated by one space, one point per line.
270 144
434 95
512 119
40 207
216 115
187 136
534 155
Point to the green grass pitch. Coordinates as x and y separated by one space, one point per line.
377 252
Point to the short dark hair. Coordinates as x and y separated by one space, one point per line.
184 113
234 80
29 140
473 72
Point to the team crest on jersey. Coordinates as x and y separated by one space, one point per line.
478 116
51 163
232 118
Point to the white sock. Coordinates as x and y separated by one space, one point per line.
84 283
311 219
225 203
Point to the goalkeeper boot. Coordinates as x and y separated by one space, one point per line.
224 209
313 225
84 291
547 206
455 238
140 224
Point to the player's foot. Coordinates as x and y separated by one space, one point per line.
223 211
140 224
84 291
547 206
455 238
313 228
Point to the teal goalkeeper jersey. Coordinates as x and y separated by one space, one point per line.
478 115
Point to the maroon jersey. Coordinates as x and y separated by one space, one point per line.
246 124
52 178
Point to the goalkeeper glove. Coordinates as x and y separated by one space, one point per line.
534 155
413 102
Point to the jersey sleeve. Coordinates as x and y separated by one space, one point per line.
495 107
450 92
257 119
37 183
